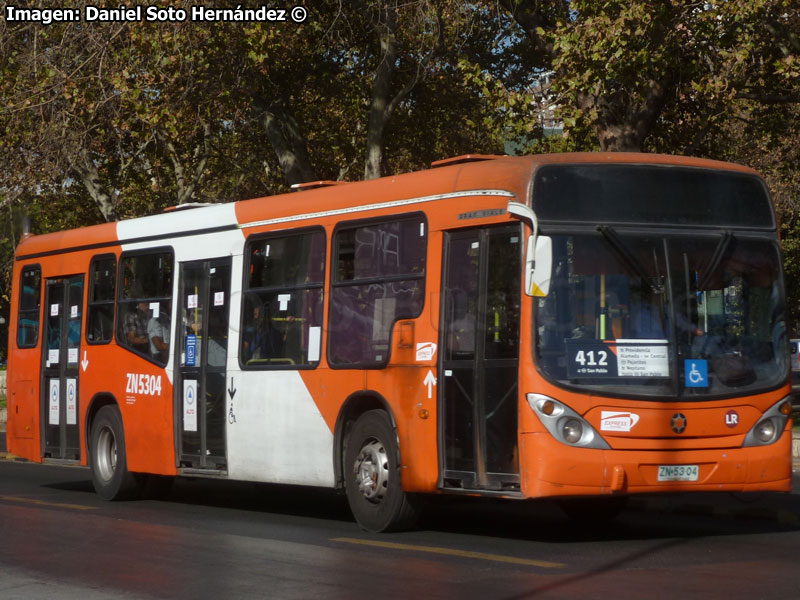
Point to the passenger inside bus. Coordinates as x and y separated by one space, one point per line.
158 337
136 328
634 319
258 344
217 341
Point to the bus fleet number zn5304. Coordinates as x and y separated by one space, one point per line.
142 383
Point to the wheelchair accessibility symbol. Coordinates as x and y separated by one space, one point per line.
696 372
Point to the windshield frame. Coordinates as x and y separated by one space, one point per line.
668 234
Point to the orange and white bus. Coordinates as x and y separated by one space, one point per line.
578 326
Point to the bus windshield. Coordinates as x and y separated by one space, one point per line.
663 316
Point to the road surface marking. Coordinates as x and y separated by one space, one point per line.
38 502
452 552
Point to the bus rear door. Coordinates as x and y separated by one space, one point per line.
201 356
61 368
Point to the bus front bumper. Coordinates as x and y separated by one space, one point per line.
550 468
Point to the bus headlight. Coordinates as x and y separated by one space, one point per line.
769 427
765 431
572 430
564 424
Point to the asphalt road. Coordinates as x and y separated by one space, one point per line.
211 539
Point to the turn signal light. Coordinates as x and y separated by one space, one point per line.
786 409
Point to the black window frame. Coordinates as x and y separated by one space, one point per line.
112 302
417 216
260 237
120 273
38 310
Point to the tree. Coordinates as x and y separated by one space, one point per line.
117 108
621 67
62 115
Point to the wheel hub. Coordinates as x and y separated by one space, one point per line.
371 469
106 454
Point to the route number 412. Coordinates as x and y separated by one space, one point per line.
588 358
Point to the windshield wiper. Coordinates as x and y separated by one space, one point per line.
624 253
716 258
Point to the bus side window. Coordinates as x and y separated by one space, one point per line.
100 309
378 279
282 310
30 295
145 304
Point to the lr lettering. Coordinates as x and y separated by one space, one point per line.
731 418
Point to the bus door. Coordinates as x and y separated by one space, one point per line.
201 355
480 343
61 367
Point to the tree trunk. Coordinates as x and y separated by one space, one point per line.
289 144
87 173
625 137
623 126
378 108
186 185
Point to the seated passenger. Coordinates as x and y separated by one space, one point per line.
136 328
158 335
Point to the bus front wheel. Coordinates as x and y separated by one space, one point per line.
372 472
110 475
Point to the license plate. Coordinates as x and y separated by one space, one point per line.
678 472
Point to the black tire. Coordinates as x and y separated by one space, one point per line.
593 510
372 476
109 464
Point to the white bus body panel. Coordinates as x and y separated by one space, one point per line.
274 431
279 434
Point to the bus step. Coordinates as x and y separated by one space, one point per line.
210 473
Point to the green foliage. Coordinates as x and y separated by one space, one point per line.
123 119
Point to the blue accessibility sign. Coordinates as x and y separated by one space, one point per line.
191 350
695 372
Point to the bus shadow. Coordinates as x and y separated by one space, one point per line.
674 516
71 486
300 501
240 495
683 516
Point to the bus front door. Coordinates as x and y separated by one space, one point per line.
480 343
61 349
201 352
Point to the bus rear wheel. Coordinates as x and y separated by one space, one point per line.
372 476
110 475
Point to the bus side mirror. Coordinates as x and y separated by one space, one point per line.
538 265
